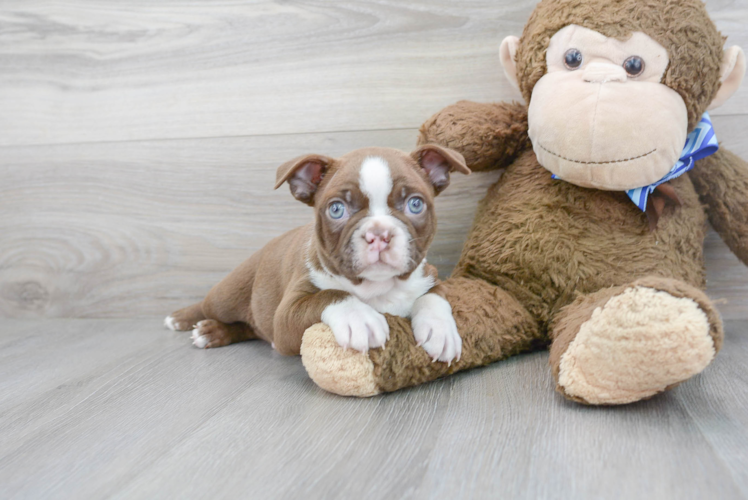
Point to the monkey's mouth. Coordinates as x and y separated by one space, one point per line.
595 162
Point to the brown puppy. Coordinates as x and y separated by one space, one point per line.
364 255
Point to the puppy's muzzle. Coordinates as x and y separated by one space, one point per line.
378 236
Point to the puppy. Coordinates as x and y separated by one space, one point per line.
364 255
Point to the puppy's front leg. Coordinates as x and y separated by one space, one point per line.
354 324
301 307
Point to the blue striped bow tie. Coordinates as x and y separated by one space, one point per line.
699 144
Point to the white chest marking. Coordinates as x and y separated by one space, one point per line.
392 296
375 181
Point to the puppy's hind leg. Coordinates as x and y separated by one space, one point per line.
185 319
212 333
224 315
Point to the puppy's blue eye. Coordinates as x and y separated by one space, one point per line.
336 210
416 205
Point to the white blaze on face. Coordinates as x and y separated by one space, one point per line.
375 182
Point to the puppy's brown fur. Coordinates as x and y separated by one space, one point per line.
272 295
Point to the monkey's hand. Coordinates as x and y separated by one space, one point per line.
489 136
722 183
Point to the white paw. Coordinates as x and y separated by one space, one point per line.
198 339
356 325
170 323
434 328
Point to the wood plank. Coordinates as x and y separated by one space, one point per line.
178 422
139 229
71 361
83 71
143 228
119 423
718 403
518 439
727 279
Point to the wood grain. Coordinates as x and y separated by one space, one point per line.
143 228
138 145
141 225
133 229
125 409
82 71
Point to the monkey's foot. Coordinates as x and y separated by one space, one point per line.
631 345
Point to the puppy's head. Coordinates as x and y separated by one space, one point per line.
374 207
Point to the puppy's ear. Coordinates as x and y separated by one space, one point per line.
438 162
303 175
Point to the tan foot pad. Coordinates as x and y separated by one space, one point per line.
344 372
638 344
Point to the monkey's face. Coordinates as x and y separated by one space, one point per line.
600 117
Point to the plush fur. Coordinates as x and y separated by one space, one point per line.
550 263
682 27
722 184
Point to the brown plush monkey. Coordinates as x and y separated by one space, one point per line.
592 240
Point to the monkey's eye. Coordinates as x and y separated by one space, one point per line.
336 210
572 59
634 65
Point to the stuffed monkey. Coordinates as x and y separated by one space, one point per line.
591 242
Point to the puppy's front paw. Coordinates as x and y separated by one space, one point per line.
434 328
356 325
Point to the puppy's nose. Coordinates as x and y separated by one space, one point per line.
378 238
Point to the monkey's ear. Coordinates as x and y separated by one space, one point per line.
303 175
438 162
507 52
731 75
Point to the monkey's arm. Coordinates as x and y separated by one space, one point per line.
489 136
721 180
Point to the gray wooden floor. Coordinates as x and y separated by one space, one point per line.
121 408
138 146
